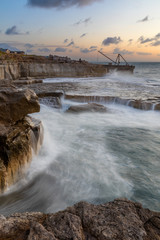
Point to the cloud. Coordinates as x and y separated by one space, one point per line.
60 3
146 19
142 40
123 52
65 40
29 51
157 43
13 31
144 53
70 44
7 46
28 45
45 50
83 35
86 50
130 41
153 41
157 36
87 20
93 47
83 21
111 40
59 49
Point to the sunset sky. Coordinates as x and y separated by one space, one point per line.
78 28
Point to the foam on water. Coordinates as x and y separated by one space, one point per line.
93 157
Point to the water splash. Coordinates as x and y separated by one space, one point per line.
93 157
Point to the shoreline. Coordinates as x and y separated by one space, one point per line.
119 219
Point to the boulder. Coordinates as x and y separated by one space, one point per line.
20 135
89 107
17 142
118 220
16 103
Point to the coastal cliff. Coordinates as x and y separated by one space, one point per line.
20 135
14 71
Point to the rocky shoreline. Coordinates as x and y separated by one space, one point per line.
20 135
118 220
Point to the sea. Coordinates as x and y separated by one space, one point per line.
95 157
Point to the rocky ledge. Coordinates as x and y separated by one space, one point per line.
118 220
20 134
89 107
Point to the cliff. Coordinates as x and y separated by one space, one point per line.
17 70
20 135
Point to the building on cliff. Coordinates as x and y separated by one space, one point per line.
9 51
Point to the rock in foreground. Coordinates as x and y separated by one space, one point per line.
117 220
20 135
17 142
89 107
16 103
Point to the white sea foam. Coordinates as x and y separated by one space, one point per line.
91 156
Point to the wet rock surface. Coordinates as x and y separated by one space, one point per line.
90 107
136 96
19 135
16 103
50 98
27 81
54 102
17 143
118 220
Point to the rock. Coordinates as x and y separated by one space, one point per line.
140 104
47 69
90 107
118 220
9 71
54 102
27 81
19 135
16 103
50 98
17 142
49 93
157 107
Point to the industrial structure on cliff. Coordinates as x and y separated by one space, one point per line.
116 65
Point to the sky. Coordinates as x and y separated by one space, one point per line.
79 28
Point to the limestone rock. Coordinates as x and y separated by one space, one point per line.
90 107
118 220
45 69
27 81
16 144
15 104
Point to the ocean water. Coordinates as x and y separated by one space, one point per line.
95 157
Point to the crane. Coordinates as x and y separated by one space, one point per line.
118 59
